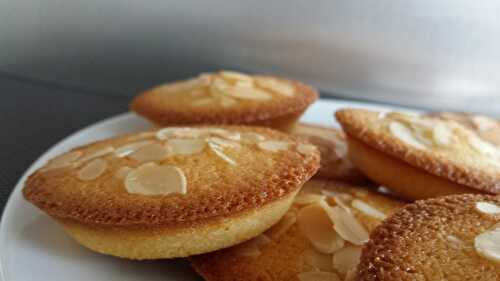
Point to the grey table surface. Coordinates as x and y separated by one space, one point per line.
34 115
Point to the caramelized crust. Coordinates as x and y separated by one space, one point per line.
215 189
414 243
282 258
460 166
171 110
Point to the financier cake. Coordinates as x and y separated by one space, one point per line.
226 97
319 239
419 156
455 237
333 148
173 192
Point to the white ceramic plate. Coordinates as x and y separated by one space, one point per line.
33 247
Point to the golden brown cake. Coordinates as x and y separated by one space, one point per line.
173 192
333 148
456 237
486 127
320 238
226 97
419 156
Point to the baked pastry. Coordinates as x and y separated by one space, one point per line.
486 127
320 238
455 237
419 156
173 192
333 148
226 97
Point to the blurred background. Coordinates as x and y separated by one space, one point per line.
433 54
66 64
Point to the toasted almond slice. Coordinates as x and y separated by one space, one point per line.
442 134
234 75
223 142
318 276
227 101
150 153
198 93
92 170
125 150
487 245
245 93
483 123
455 241
63 160
243 84
202 102
252 137
273 146
488 208
97 152
122 172
141 136
315 224
308 198
367 209
219 152
402 132
186 146
318 260
152 179
483 147
306 149
282 226
180 132
346 258
276 86
347 226
235 136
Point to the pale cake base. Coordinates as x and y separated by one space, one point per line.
405 180
158 243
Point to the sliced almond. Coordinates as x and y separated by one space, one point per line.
186 146
347 226
202 102
152 179
125 150
276 86
246 93
150 153
442 134
226 134
180 132
346 258
367 209
315 224
318 276
223 142
92 170
308 198
122 172
402 132
227 101
454 240
233 75
484 123
282 226
96 152
487 245
219 152
273 146
63 160
319 261
198 93
488 208
252 137
306 149
483 147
